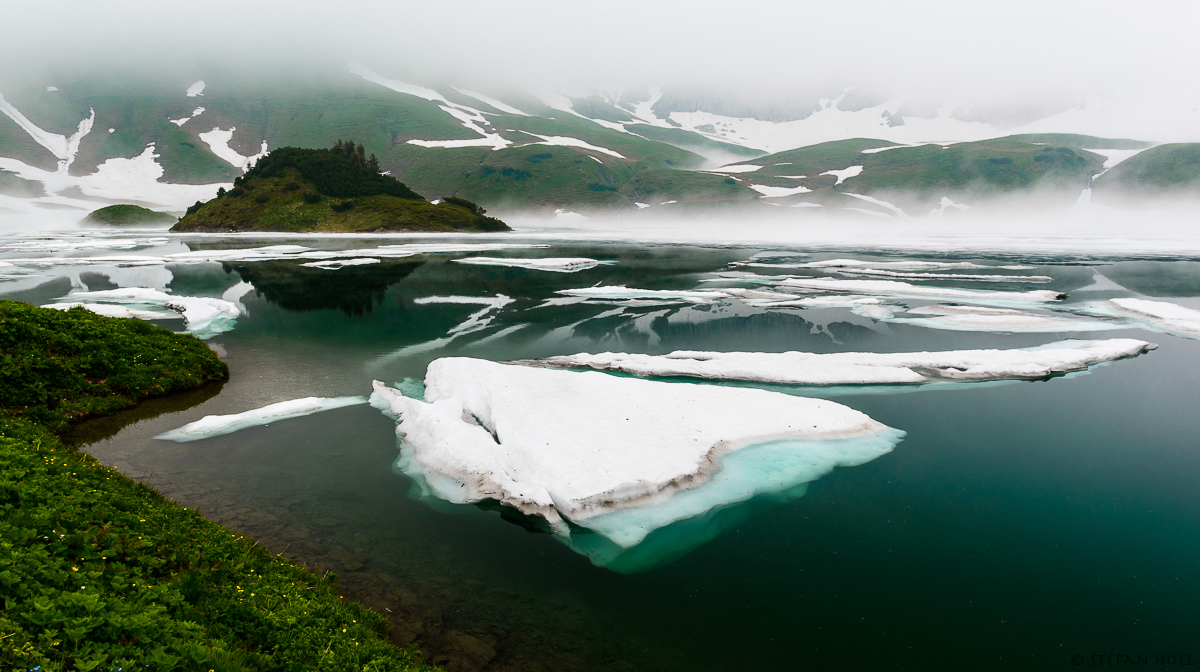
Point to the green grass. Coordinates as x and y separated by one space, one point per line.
274 204
656 186
1166 169
62 366
916 177
127 215
976 168
98 572
1080 141
538 176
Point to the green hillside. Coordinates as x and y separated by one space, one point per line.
335 190
657 186
917 177
128 215
1172 169
1080 141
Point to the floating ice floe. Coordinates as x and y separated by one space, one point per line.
335 264
969 277
1163 316
217 425
618 292
863 368
899 265
621 457
205 317
557 264
904 289
977 318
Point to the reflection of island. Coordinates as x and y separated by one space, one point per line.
354 290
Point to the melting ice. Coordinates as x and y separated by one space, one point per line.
606 460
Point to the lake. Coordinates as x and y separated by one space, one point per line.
1017 524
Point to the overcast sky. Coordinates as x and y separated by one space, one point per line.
916 47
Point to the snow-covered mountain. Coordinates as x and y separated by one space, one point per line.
70 147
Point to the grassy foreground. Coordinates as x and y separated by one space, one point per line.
98 572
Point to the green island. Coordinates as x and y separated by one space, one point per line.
337 190
100 572
124 214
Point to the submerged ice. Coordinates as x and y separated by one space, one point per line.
620 457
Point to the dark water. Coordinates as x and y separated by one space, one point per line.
1016 526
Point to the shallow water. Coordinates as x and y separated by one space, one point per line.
1017 524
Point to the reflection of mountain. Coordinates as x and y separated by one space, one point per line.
354 290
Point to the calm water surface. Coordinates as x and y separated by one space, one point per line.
1016 525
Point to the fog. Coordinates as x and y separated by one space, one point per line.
1015 54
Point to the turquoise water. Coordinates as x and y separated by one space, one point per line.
1016 525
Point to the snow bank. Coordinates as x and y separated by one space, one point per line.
844 174
742 168
564 141
217 425
491 101
558 264
864 368
779 192
196 89
904 289
580 446
218 143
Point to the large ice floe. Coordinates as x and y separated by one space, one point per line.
627 471
1163 316
556 264
203 316
864 368
217 425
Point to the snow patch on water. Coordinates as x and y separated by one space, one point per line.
556 264
219 425
863 368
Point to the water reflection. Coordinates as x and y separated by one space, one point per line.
354 290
